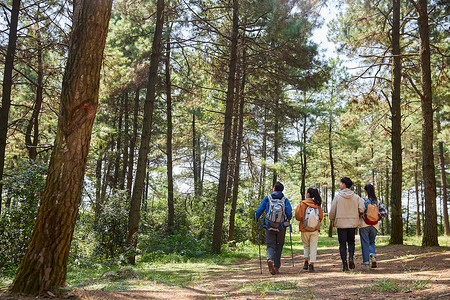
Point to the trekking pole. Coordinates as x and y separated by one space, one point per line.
259 245
290 236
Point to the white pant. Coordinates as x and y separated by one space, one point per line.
310 240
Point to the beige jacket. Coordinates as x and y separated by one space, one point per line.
345 209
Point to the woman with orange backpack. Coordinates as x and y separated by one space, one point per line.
374 211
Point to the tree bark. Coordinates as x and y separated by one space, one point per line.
32 131
416 187
396 139
133 143
303 160
276 144
44 266
196 159
221 192
333 177
430 235
6 89
170 203
141 168
240 134
388 226
443 183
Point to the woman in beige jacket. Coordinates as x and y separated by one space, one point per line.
310 238
344 213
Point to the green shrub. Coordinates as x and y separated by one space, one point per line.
22 190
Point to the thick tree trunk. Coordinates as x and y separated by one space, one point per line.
221 192
430 236
443 183
396 139
141 168
168 83
7 86
44 266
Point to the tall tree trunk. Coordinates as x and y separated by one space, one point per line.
234 133
44 266
430 235
133 143
416 187
196 159
126 140
141 168
276 143
303 160
443 183
388 226
98 186
333 178
238 151
7 86
117 150
168 83
262 181
396 139
221 192
32 131
407 215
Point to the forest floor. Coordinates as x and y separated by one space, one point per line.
403 272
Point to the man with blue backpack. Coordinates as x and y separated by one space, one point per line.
278 214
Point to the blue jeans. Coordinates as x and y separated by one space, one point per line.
367 235
275 243
346 236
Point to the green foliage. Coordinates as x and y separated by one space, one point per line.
391 286
178 247
22 189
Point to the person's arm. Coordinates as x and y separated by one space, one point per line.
332 213
288 209
320 214
298 214
361 206
261 208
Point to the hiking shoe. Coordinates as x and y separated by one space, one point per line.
351 264
374 261
305 266
311 269
271 267
344 267
277 270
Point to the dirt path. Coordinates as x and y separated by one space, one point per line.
404 272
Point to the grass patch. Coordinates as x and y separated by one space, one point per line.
281 287
392 286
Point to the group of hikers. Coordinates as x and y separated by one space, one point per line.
347 213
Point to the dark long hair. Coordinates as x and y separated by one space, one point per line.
314 193
370 192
